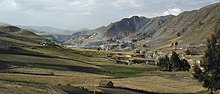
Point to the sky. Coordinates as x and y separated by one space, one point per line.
79 14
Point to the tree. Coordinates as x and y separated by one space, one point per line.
175 61
176 43
185 65
187 52
178 34
99 48
197 72
164 64
211 64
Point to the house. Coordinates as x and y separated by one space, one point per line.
108 46
127 62
44 43
105 83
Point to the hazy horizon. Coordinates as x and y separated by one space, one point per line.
79 14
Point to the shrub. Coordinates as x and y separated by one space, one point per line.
174 63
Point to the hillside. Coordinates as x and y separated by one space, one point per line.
189 28
14 36
159 32
151 27
125 29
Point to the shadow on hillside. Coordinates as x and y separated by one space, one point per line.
42 74
54 67
125 90
19 51
76 90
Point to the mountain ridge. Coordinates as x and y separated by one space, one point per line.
118 30
163 30
188 25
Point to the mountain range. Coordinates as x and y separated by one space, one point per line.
187 28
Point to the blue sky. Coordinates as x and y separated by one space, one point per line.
78 14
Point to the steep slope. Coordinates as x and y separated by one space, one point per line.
125 27
189 28
118 30
153 25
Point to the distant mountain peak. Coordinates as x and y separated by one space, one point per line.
48 30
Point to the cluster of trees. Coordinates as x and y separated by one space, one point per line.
174 63
210 73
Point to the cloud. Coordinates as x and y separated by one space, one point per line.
76 14
8 5
12 2
173 11
76 7
124 4
82 7
55 8
84 3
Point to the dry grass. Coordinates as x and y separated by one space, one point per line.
24 88
166 84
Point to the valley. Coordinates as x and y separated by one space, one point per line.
135 55
38 65
66 68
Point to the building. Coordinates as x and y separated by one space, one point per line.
105 83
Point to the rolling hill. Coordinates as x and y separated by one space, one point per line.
52 33
18 37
